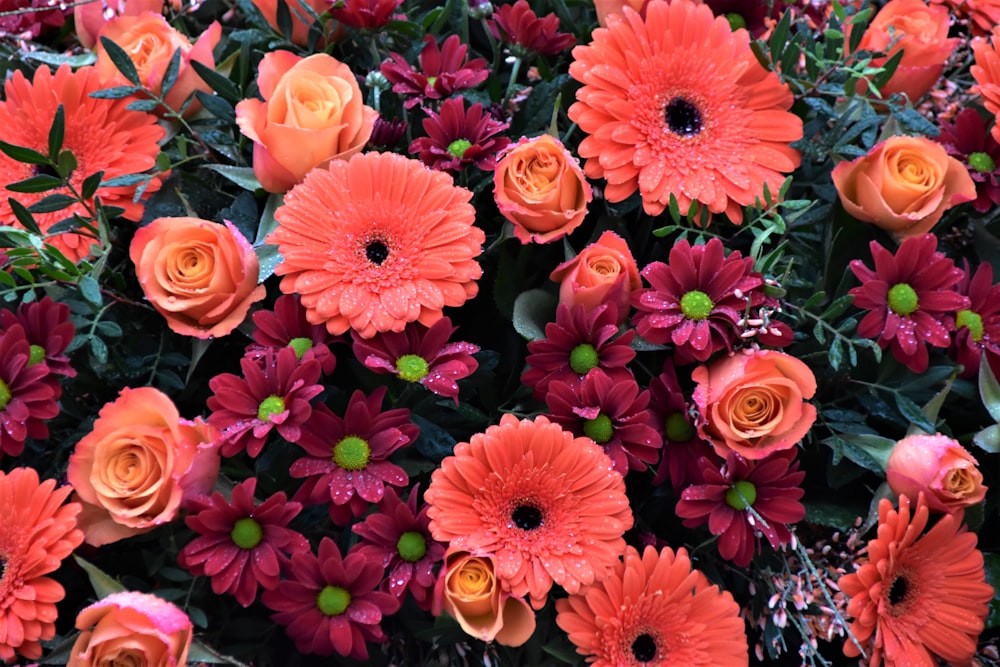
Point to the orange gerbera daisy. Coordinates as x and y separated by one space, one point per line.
921 595
547 505
103 135
655 610
37 531
376 242
677 104
986 72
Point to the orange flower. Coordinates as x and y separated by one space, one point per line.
37 531
986 72
301 17
539 186
201 276
90 17
151 42
677 104
102 134
655 610
138 464
603 272
605 8
903 185
753 403
468 591
377 242
939 467
313 112
132 629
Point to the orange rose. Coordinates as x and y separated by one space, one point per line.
313 112
904 185
138 464
540 188
753 403
90 17
201 276
301 16
468 591
604 272
132 629
939 467
151 42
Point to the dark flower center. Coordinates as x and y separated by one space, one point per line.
246 533
526 517
333 600
973 321
44 170
897 593
682 117
644 647
903 299
376 252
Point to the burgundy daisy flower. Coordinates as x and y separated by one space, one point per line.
911 299
613 413
241 544
458 137
978 326
274 393
387 133
364 14
287 326
398 537
347 462
683 448
27 19
443 71
28 393
577 342
968 141
329 604
420 354
752 15
725 497
48 330
520 27
696 300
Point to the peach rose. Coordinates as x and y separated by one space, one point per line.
904 185
200 275
603 272
151 42
539 186
467 589
939 467
313 112
90 17
753 403
138 464
301 17
132 629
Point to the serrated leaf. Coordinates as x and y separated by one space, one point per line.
40 183
100 581
52 203
989 388
534 309
57 133
23 154
121 60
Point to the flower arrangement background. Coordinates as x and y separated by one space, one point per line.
394 332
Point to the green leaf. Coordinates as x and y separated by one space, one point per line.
837 308
913 413
241 176
991 564
40 183
90 185
268 258
52 203
56 59
832 515
99 349
989 388
200 652
434 442
534 309
57 133
988 439
221 84
121 60
102 583
170 76
283 16
23 216
91 291
66 164
217 106
142 105
124 181
932 408
116 92
779 37
24 154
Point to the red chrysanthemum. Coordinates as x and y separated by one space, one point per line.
398 537
548 506
683 448
519 26
457 137
329 604
921 596
986 72
242 544
655 609
977 327
37 531
364 14
443 71
911 298
576 343
743 500
102 134
273 394
377 242
347 463
49 332
677 105
967 140
27 19
288 326
28 393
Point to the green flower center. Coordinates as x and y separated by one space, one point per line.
431 80
696 305
270 406
333 600
5 395
459 146
246 533
411 546
583 358
903 299
982 163
742 495
736 21
300 345
678 428
36 355
412 368
972 320
598 429
352 453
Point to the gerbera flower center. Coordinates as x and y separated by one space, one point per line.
982 163
900 593
696 305
333 600
376 252
682 117
742 495
44 170
736 21
412 367
352 453
644 647
300 345
270 406
411 546
246 533
903 299
36 354
458 147
599 429
5 395
583 358
678 428
526 517
973 321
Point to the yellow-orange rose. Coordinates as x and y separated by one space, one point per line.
603 272
540 188
132 629
754 403
138 464
200 275
467 589
313 112
904 185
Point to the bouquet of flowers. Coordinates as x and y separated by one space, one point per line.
397 332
